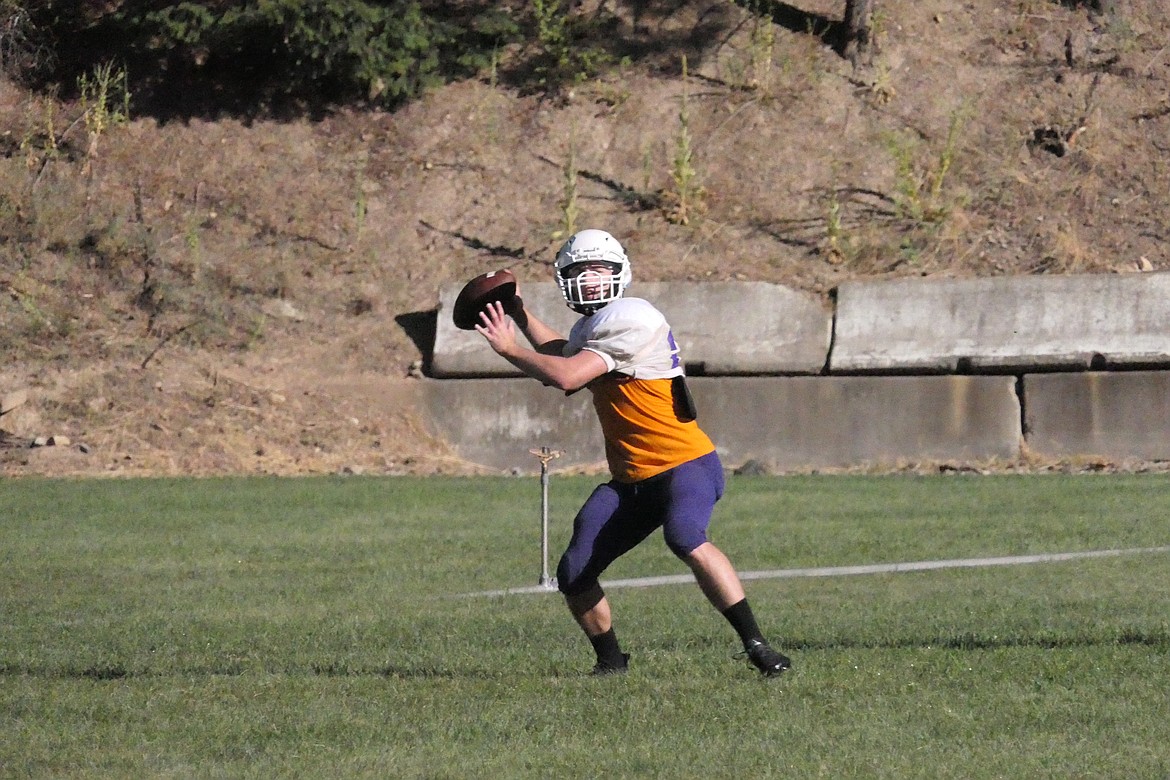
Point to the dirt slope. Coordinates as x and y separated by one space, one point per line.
220 297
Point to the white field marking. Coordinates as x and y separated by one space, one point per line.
846 571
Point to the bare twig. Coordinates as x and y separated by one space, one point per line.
162 342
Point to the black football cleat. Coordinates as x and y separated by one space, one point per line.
605 668
763 657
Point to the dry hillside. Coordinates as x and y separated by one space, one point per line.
249 296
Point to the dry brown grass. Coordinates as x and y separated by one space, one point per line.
292 254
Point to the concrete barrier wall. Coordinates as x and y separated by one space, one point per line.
495 422
927 336
1108 414
901 326
1002 325
797 422
786 422
722 328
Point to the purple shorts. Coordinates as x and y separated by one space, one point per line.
618 516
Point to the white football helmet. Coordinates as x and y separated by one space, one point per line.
587 291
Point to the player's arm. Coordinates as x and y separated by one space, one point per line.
564 373
543 338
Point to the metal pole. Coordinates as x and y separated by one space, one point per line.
545 455
545 579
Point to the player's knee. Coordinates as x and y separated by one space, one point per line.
571 580
682 545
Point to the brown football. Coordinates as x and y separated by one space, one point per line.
478 293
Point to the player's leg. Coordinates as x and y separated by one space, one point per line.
591 610
716 576
690 498
602 531
720 583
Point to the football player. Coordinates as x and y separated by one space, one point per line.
665 470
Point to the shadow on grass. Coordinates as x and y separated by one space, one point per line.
114 672
1158 637
1153 638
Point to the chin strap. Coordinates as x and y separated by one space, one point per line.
589 308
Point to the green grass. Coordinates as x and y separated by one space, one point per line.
321 628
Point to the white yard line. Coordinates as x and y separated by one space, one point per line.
846 571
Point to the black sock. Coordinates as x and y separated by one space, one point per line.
607 649
740 616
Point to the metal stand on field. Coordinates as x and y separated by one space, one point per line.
545 455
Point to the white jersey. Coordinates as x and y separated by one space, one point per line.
645 434
632 337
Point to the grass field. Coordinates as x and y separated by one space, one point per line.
263 628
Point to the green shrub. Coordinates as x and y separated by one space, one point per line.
23 50
563 57
384 52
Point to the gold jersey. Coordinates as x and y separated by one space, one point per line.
644 433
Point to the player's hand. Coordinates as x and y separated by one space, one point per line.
514 308
497 328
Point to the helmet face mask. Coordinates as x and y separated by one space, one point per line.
592 270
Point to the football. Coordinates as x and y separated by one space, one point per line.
478 293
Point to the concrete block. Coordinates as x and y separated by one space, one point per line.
495 422
722 328
1124 414
800 422
1003 325
788 422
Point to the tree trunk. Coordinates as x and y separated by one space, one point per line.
858 42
